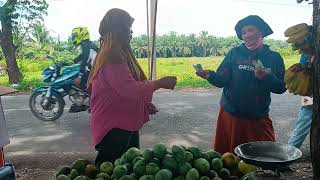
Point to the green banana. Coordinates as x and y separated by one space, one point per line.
298 37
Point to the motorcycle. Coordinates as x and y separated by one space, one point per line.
47 102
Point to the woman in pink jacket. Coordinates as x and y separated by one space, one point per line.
121 95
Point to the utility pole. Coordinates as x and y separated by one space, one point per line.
315 126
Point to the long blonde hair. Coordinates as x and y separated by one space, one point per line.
115 47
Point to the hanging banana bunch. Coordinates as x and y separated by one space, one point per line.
297 33
298 80
299 36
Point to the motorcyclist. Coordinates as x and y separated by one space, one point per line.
80 36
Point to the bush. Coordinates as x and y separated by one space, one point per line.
27 66
31 74
30 84
287 52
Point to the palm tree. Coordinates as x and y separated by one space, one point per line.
139 46
231 42
203 42
40 35
184 49
162 45
213 45
173 43
139 51
192 43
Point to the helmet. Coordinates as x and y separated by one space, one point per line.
79 34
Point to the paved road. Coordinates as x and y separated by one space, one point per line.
185 117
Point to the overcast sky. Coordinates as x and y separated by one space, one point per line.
218 17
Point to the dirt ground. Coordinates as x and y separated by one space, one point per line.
301 170
37 149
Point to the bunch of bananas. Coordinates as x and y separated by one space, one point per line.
298 80
297 33
299 36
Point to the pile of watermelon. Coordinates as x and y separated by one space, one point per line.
161 163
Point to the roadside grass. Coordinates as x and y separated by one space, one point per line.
180 67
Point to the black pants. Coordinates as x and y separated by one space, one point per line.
114 144
84 79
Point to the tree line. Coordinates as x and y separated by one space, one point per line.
24 36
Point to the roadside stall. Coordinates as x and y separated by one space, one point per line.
6 170
255 160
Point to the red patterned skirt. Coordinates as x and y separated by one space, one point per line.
232 131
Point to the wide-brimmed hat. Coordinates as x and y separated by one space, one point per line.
253 20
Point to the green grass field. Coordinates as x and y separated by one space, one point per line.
180 67
183 69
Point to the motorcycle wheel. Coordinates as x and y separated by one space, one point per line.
46 112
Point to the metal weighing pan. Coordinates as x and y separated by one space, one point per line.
268 155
